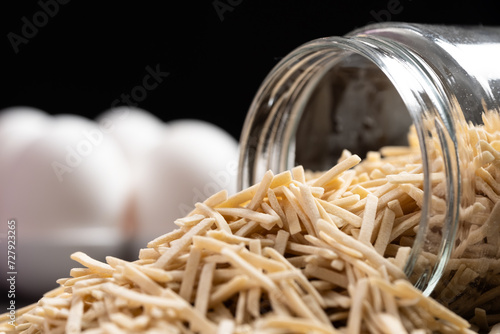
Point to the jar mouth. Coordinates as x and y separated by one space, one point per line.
354 86
353 106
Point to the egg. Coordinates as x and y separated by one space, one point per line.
19 126
67 191
137 133
195 160
135 130
175 165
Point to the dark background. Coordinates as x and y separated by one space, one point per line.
85 55
216 53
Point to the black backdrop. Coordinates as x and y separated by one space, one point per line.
81 56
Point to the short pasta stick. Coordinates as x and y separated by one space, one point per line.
337 170
368 222
190 273
251 271
94 265
73 325
183 243
204 288
259 217
342 213
292 218
355 314
298 174
384 234
219 220
261 191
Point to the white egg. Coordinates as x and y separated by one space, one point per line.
136 131
68 191
19 126
195 160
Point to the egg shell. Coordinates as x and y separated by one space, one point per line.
136 130
195 160
69 182
19 126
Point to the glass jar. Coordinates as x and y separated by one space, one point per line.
363 91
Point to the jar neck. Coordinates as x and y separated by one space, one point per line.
279 115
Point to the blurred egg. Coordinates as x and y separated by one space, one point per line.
19 126
137 133
135 130
67 191
195 160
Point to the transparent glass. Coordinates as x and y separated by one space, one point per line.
363 91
